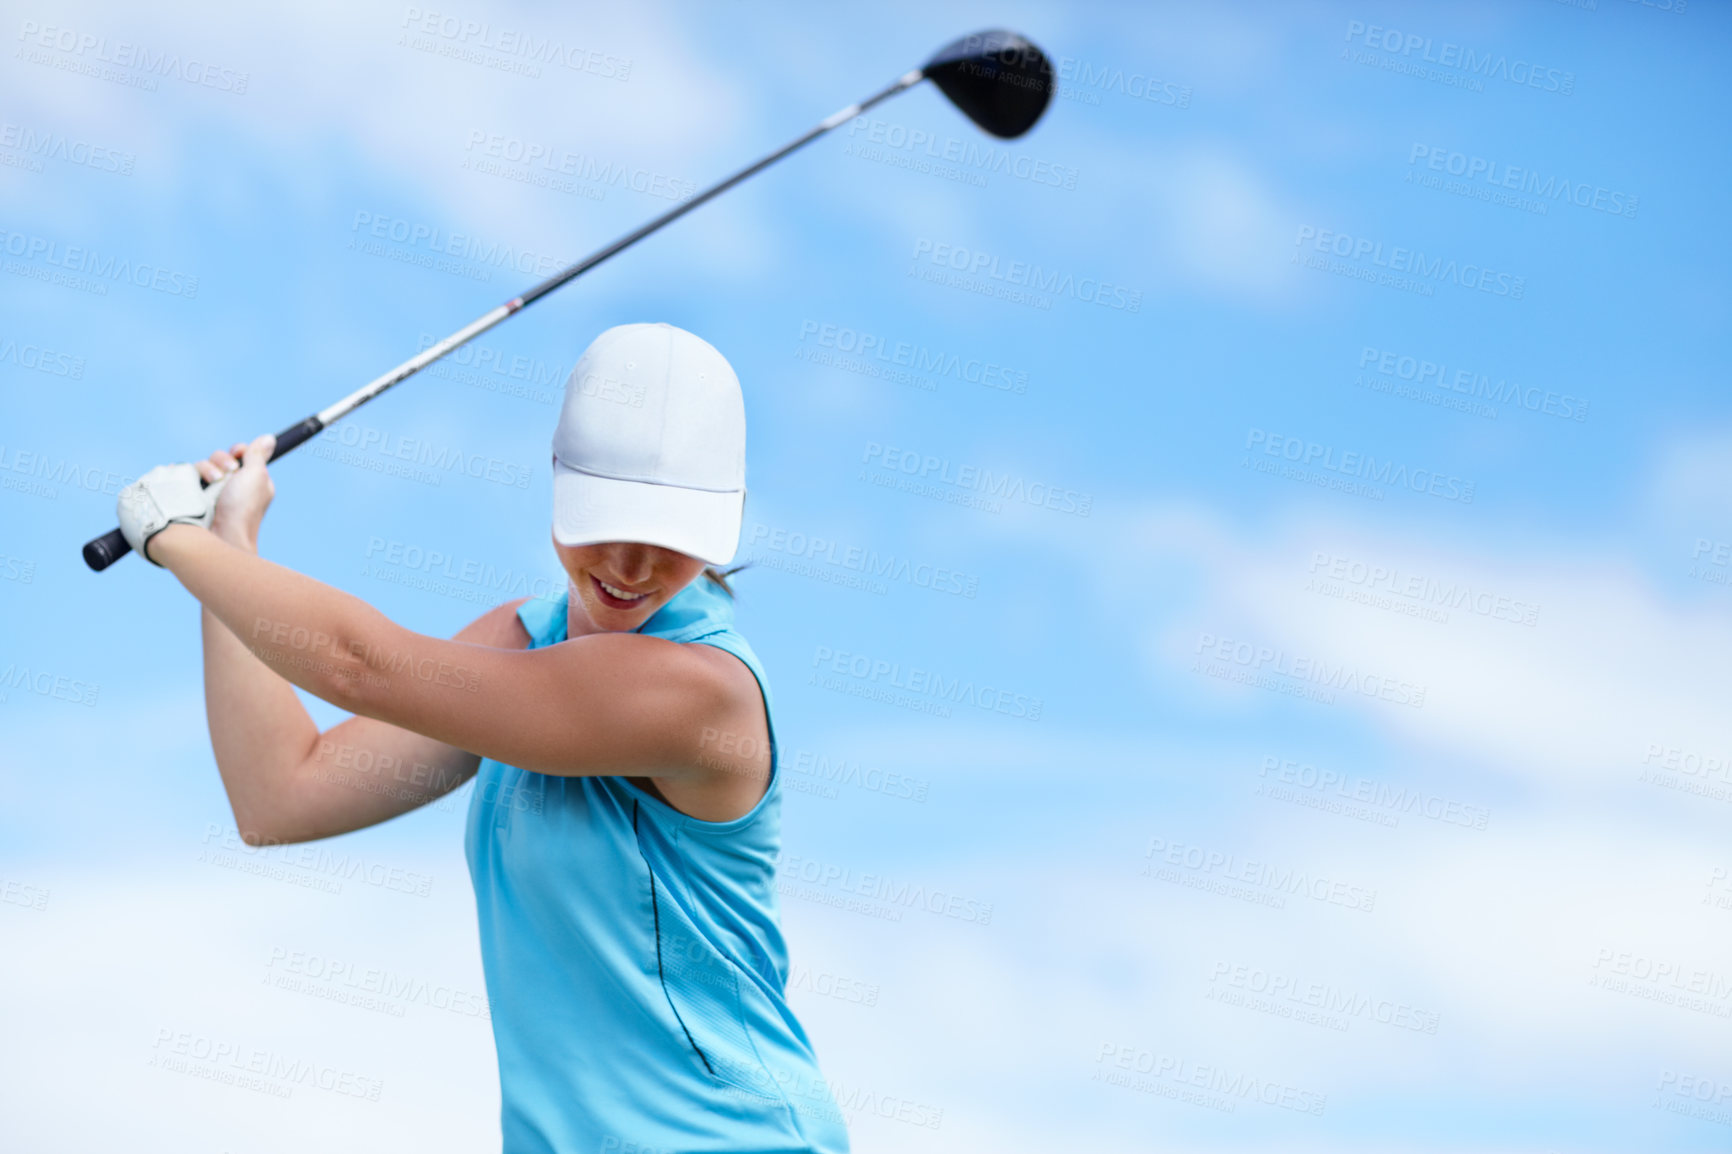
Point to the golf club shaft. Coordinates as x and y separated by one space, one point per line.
101 552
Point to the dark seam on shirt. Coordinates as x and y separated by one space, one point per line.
655 910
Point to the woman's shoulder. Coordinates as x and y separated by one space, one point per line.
542 618
698 611
501 627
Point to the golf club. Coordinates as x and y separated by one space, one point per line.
998 79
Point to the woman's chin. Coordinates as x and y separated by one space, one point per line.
605 618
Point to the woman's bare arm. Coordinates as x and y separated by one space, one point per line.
680 716
287 782
607 703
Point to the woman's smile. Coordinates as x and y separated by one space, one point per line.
618 597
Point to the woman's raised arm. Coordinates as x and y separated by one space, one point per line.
607 704
286 781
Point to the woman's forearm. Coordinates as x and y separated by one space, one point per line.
259 730
261 734
302 630
267 630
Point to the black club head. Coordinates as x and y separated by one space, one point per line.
999 80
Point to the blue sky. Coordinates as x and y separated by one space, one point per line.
1354 572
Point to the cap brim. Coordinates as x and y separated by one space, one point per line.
588 510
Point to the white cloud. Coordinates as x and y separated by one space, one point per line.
120 960
1494 933
334 76
1609 666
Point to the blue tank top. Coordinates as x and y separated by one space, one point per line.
634 956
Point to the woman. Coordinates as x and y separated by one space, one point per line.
625 822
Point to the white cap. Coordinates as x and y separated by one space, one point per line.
651 445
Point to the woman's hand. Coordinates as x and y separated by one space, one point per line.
242 503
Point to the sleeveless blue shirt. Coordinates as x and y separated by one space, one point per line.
633 955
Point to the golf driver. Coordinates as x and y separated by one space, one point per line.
998 79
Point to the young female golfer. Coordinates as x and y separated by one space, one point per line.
625 821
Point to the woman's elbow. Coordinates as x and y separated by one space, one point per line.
257 829
263 832
264 820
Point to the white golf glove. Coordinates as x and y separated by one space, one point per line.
165 495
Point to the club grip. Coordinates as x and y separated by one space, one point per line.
296 434
101 552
